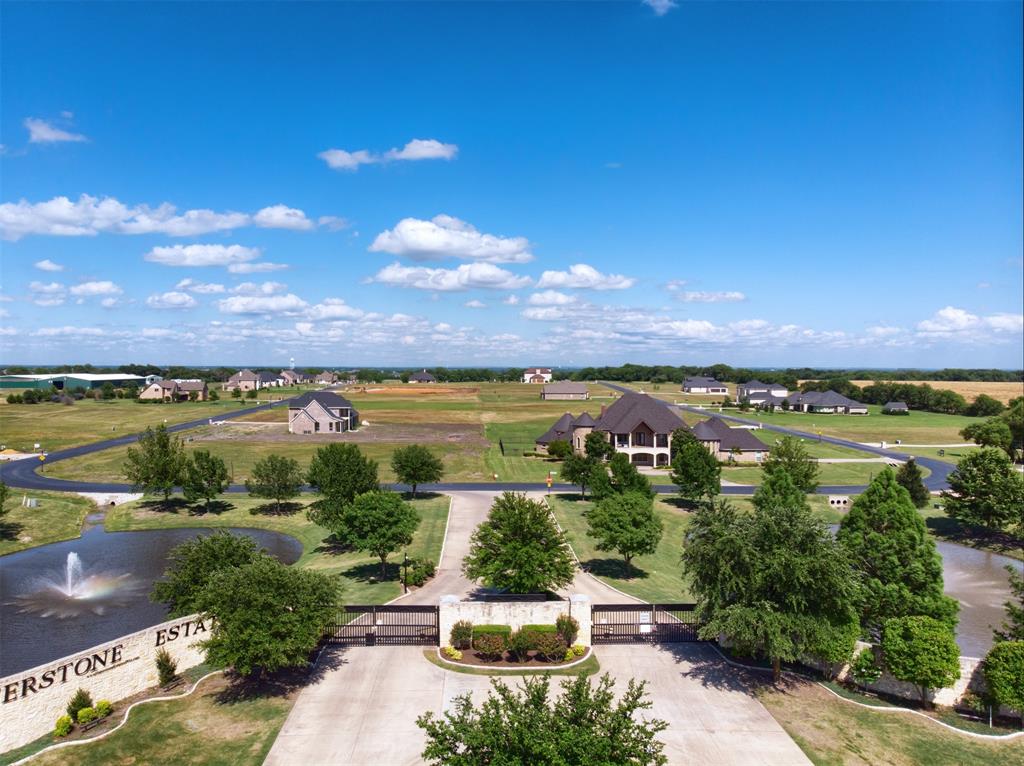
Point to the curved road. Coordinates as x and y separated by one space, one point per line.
23 474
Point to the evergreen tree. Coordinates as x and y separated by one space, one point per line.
596 446
578 469
339 473
276 478
205 477
625 523
694 469
626 477
158 464
790 455
986 490
888 544
5 492
415 465
909 477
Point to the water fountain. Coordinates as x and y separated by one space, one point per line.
77 593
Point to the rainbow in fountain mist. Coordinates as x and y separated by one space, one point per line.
74 591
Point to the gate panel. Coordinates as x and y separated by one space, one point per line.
370 625
644 623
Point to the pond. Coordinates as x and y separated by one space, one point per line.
62 598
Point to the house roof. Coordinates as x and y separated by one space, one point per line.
705 433
422 377
822 399
564 387
243 375
558 431
584 421
895 406
728 438
323 398
190 385
699 380
533 370
632 409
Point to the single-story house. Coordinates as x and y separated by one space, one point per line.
726 443
825 402
758 393
321 412
247 380
422 377
890 408
702 385
564 390
537 375
175 391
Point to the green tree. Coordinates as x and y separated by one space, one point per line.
559 449
994 432
790 455
921 651
888 544
1013 625
596 446
377 522
191 564
107 390
250 394
1004 674
519 548
338 472
985 490
158 464
984 406
909 477
768 581
204 478
415 465
625 476
266 616
236 393
276 478
5 493
578 469
585 726
625 523
1014 418
694 469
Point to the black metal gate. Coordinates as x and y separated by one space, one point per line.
384 626
643 623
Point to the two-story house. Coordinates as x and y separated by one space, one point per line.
758 393
321 412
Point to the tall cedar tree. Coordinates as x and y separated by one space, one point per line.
1013 625
191 564
377 522
985 490
791 456
158 464
585 726
267 616
773 582
276 478
694 469
626 524
519 548
338 472
909 477
415 465
205 477
888 544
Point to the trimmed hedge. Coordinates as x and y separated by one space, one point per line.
540 628
498 630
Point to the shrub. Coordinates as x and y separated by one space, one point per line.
865 669
521 642
452 653
921 651
570 655
501 630
568 628
87 715
82 699
166 667
462 635
490 646
419 572
834 644
1004 674
550 646
541 628
579 650
104 708
64 726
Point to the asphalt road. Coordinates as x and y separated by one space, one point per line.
24 474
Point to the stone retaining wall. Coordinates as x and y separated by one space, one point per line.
513 613
33 700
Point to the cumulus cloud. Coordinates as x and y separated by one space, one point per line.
551 298
544 314
47 293
465 277
660 7
511 300
202 255
675 285
584 277
475 304
47 265
416 149
730 296
264 288
339 159
288 304
333 309
332 222
282 217
951 322
89 216
260 267
203 288
95 288
445 236
171 300
44 132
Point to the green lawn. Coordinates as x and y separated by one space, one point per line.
59 516
360 572
949 454
828 473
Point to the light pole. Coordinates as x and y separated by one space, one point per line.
405 573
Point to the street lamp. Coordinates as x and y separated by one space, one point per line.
405 573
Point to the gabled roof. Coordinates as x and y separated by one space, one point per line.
243 375
564 387
190 385
266 377
823 399
326 399
757 385
699 380
632 409
705 433
728 438
895 406
422 377
533 370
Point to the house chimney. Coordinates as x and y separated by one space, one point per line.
602 410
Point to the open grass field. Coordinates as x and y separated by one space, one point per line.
828 473
968 389
59 516
833 732
359 571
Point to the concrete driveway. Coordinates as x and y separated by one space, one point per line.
363 708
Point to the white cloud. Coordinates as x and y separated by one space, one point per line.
171 300
952 322
883 331
675 285
48 265
730 296
260 267
424 149
545 314
282 217
511 300
445 236
1013 323
475 304
333 222
264 288
334 309
551 298
43 132
202 255
584 277
47 293
339 159
660 7
465 277
95 288
288 304
109 303
202 288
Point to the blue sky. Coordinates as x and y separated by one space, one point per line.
517 183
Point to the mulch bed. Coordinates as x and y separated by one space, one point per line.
471 658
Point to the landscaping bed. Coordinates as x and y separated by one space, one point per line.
472 658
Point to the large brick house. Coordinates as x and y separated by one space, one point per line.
730 444
565 390
321 412
247 380
175 391
537 375
760 394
